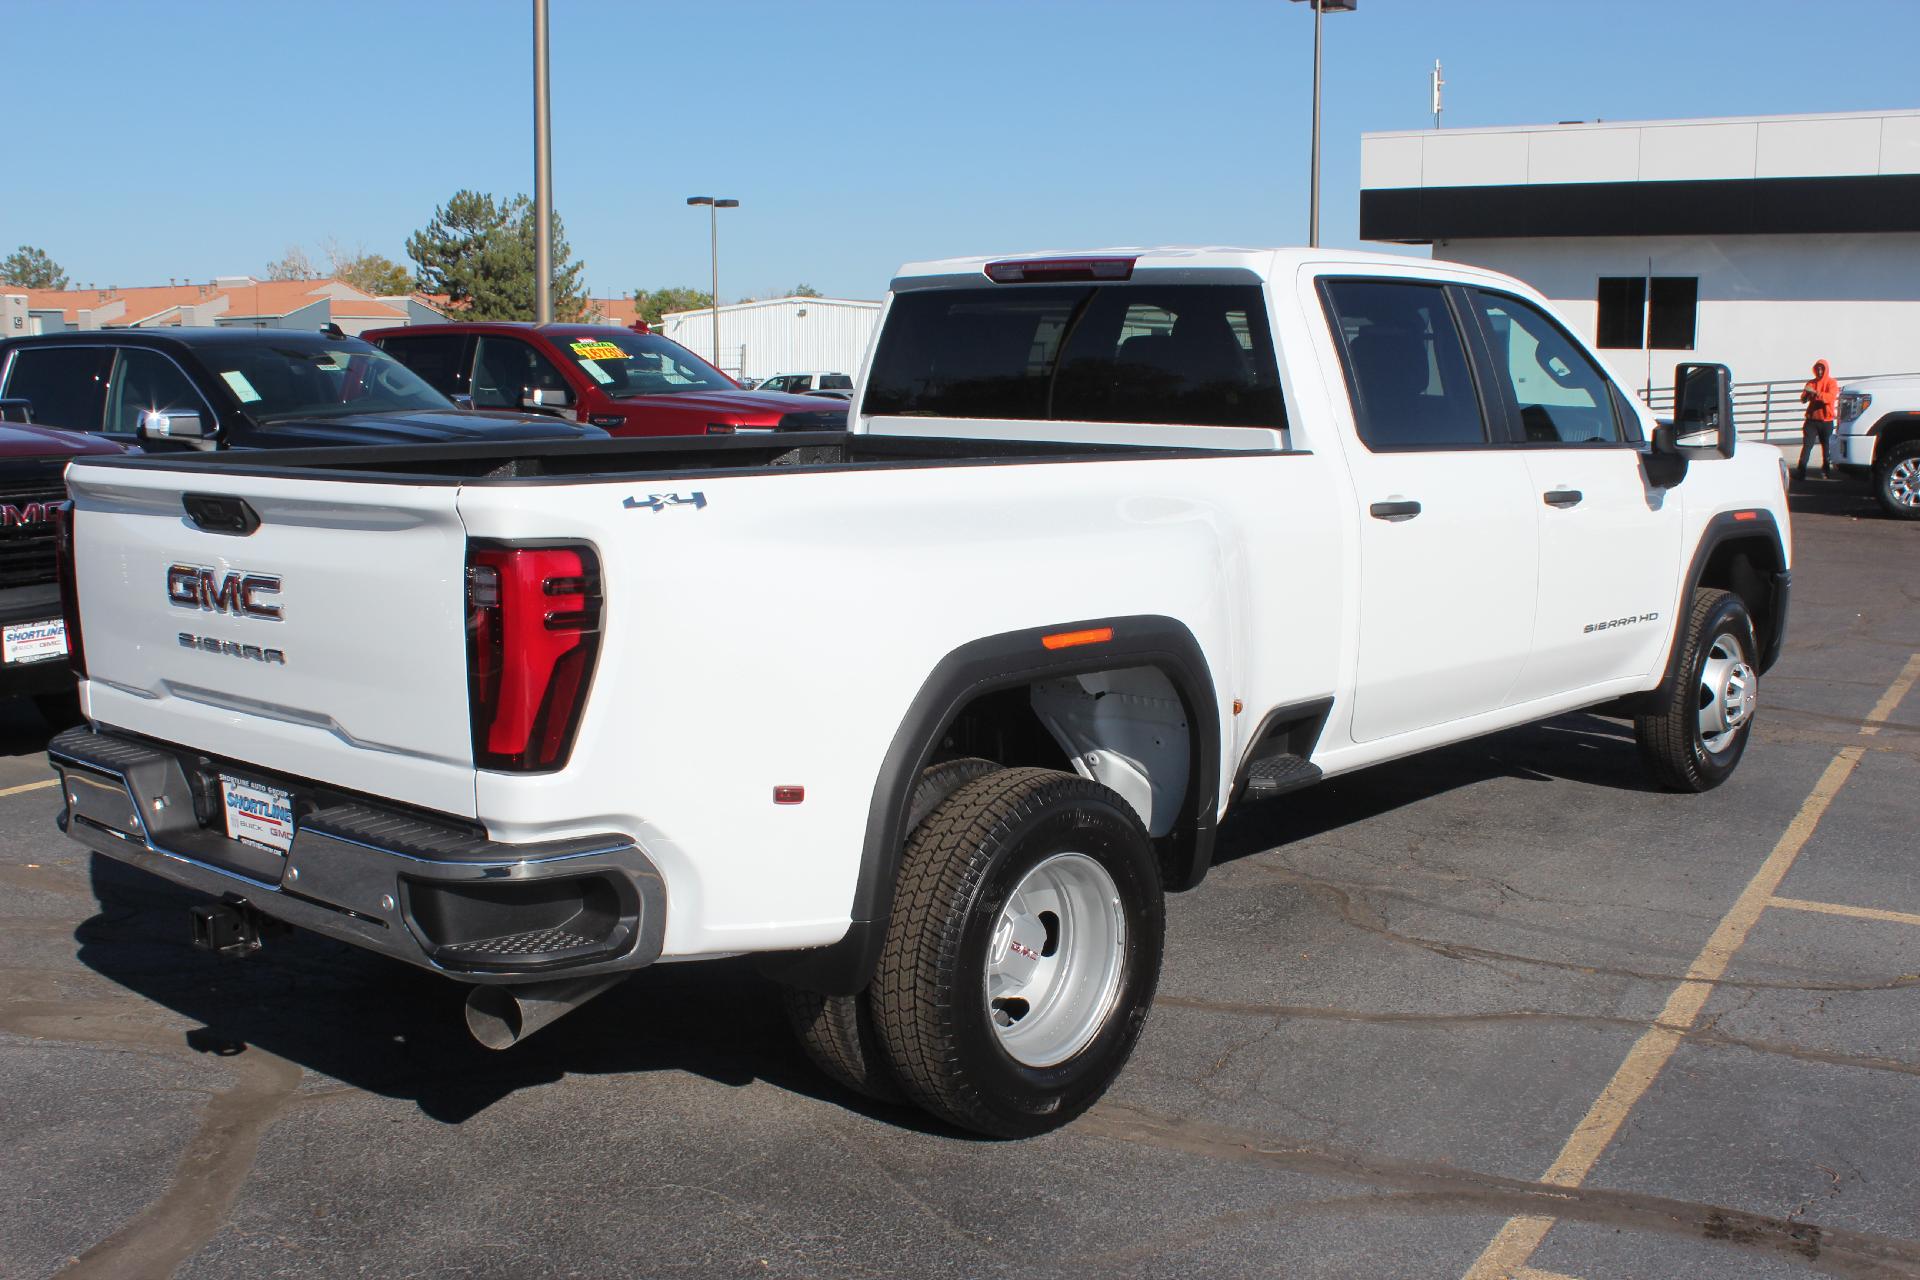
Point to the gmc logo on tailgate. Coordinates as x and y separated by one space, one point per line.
195 587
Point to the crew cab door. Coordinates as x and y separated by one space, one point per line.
1609 540
1448 550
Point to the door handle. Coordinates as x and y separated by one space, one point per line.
1563 497
1394 510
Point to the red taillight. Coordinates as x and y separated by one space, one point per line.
1034 270
533 632
69 586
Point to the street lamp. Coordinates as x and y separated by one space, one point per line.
1313 196
713 229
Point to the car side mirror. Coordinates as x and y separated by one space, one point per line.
546 398
184 426
462 401
1703 425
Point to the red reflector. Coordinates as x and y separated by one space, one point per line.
1033 270
789 795
1746 515
1068 639
533 633
69 586
721 429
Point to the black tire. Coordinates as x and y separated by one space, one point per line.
1676 751
59 710
837 1031
956 876
1896 481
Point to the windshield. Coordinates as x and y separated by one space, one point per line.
624 364
296 380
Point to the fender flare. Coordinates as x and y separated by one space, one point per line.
983 666
1744 524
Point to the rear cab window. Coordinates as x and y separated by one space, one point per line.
1175 354
1406 364
439 358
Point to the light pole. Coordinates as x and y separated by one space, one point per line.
1313 193
714 206
542 172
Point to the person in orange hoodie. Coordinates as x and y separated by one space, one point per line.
1820 395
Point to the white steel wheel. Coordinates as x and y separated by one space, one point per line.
1056 960
1729 690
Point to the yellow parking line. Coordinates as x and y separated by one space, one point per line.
1508 1253
1535 1273
41 785
1842 909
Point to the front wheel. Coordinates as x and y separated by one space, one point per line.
1694 742
1896 481
1022 954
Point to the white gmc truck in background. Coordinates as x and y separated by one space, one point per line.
927 714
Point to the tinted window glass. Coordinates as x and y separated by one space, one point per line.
435 357
1406 365
278 378
506 371
1561 395
623 363
68 385
146 380
835 382
1176 354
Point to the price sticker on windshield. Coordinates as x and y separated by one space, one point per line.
598 351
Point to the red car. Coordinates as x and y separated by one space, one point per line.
632 384
33 633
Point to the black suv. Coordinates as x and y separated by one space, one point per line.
182 388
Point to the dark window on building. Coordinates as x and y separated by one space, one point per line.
1624 321
1406 365
1622 318
435 357
1675 301
67 385
1196 355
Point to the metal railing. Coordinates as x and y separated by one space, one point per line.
1761 410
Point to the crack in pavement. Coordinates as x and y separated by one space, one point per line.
1413 1186
1705 1034
1353 913
215 1161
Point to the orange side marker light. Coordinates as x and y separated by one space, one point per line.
1070 639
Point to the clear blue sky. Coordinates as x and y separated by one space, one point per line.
193 140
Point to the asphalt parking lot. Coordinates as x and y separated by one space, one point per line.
1500 1010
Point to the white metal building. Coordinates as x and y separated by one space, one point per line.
1759 242
778 335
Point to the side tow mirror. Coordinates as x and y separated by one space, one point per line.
182 426
1703 424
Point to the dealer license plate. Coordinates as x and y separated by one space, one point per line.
33 641
258 815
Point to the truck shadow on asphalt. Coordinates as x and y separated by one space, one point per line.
387 1028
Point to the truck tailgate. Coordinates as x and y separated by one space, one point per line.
327 643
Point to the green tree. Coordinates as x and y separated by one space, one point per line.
373 273
31 268
803 291
480 252
652 305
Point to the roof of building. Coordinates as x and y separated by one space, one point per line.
162 304
749 304
620 311
1845 172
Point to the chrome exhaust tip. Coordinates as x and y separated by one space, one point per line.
502 1016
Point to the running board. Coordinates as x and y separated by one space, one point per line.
1277 774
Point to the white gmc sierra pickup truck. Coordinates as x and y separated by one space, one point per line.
927 714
